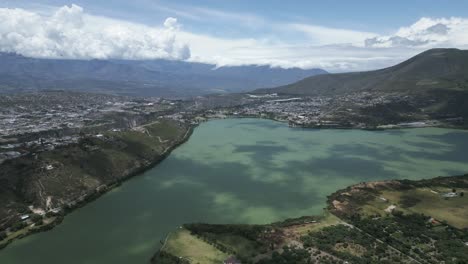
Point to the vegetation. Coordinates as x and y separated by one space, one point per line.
188 248
243 241
351 244
416 236
288 255
80 172
442 69
364 231
434 81
428 201
425 223
163 257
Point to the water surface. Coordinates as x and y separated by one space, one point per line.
239 171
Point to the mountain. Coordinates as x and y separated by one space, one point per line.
435 69
139 77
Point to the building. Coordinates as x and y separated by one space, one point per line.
24 217
449 195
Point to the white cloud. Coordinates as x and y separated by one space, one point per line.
336 58
333 49
70 33
171 23
426 33
325 35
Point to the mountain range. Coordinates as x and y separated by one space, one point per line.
139 77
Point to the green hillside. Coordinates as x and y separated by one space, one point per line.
435 69
49 183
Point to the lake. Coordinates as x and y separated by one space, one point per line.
239 171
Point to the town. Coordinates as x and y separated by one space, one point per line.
33 122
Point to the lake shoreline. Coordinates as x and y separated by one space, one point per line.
410 125
342 208
92 196
141 170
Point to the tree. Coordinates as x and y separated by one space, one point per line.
18 225
35 218
397 213
3 235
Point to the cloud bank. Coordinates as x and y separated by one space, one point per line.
426 33
69 32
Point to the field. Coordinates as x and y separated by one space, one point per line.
247 243
186 246
327 219
424 220
427 201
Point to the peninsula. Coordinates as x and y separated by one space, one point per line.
393 221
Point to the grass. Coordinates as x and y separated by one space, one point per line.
146 142
182 244
238 244
15 235
453 210
327 219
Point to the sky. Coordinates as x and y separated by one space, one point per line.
333 35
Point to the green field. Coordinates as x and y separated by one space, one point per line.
424 201
186 246
327 219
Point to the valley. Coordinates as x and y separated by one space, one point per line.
61 149
233 132
240 176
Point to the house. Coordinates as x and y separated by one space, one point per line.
24 217
390 208
449 195
232 260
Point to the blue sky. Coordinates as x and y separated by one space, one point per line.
335 35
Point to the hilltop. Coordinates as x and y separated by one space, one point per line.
435 69
430 86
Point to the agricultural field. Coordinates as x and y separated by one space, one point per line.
427 201
188 247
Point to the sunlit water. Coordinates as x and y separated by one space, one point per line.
239 171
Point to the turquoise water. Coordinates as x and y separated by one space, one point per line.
239 171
